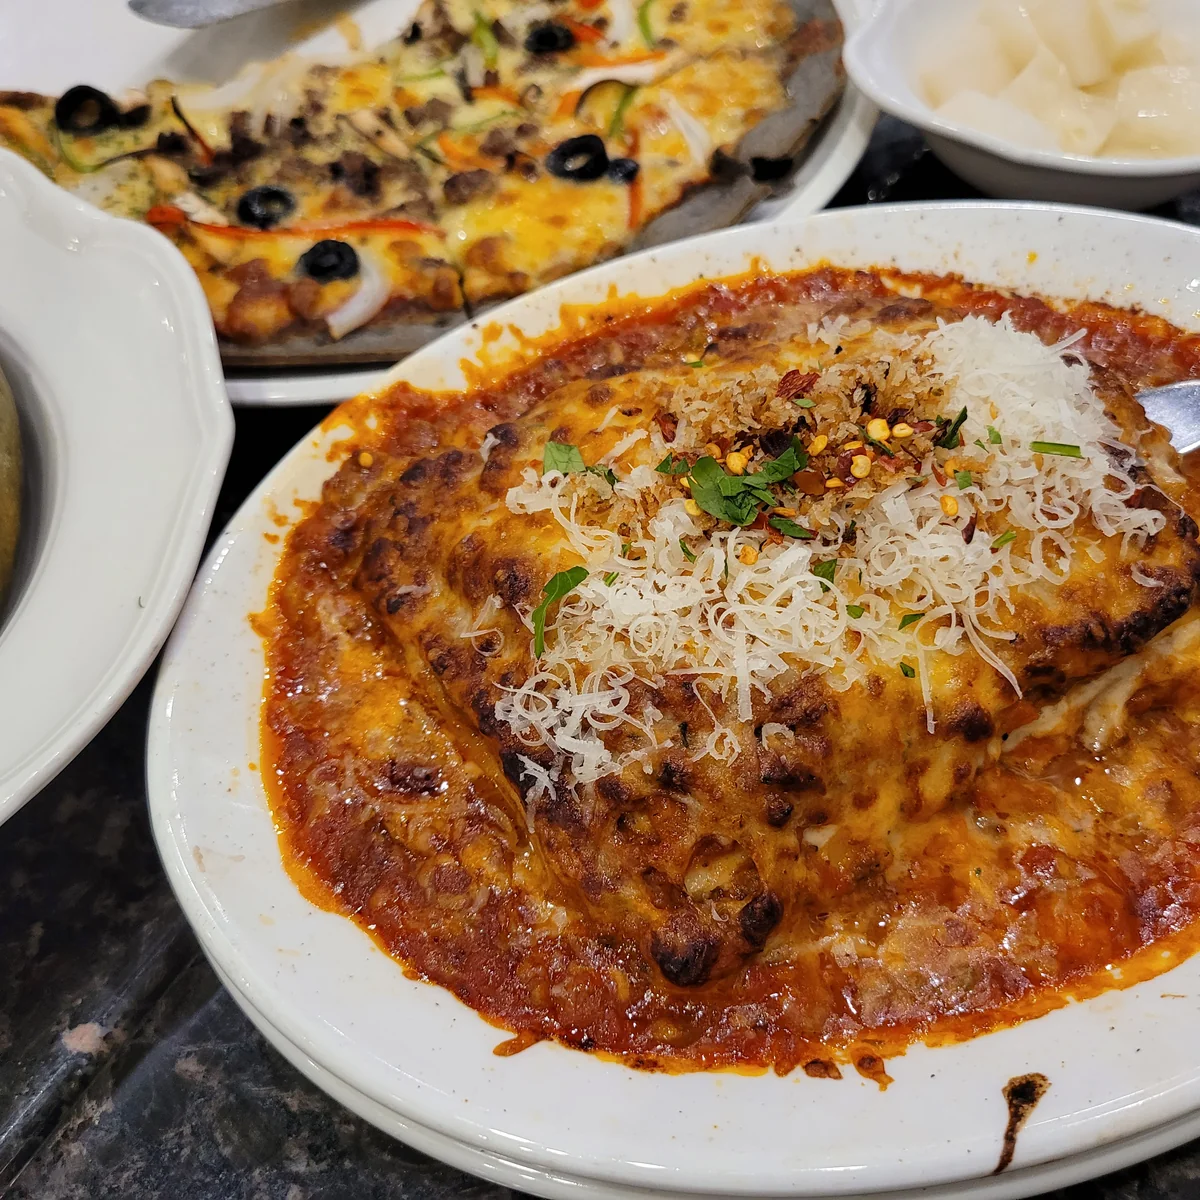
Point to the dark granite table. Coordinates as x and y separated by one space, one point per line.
125 1068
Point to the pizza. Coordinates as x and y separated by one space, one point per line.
769 673
350 208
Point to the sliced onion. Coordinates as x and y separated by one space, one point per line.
474 68
621 21
280 94
374 290
700 144
646 71
204 98
199 209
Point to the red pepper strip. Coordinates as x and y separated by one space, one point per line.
937 475
497 92
589 58
582 32
635 184
168 215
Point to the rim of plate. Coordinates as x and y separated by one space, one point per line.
1119 1064
1028 1181
139 388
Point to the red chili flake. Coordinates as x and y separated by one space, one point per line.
668 423
841 468
794 384
937 474
969 529
890 464
922 426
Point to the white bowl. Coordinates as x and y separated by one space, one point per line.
107 342
1120 1065
880 57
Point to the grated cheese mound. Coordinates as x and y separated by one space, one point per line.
737 627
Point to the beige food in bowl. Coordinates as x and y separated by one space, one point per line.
10 483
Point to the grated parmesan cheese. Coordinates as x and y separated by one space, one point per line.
737 627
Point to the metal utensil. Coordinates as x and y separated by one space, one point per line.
195 14
1177 408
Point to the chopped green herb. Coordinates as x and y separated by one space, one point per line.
994 436
1065 449
562 456
686 552
825 570
610 579
643 22
1003 540
695 362
673 466
605 473
560 585
910 619
737 498
803 401
875 443
906 671
963 479
625 549
790 527
855 610
949 437
979 443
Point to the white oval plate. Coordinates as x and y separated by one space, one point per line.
1119 1065
559 1185
53 44
106 339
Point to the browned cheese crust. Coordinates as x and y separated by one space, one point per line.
814 890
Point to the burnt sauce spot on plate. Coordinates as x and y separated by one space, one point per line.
1021 1094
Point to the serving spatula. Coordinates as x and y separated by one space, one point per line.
195 14
1177 408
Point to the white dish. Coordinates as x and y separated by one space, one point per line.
1119 1066
49 46
880 57
105 337
1029 1181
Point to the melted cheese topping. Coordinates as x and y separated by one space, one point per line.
663 598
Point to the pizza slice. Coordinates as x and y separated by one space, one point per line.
348 209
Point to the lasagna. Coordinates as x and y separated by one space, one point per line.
791 666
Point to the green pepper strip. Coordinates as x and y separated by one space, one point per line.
617 125
485 39
643 21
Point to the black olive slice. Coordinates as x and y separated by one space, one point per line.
136 117
548 37
264 207
85 110
328 260
580 158
623 170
